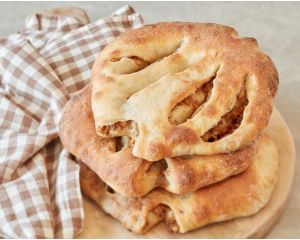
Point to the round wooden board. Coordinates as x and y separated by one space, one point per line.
97 224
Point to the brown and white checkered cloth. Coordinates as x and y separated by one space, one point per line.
40 68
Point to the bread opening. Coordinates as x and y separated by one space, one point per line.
109 190
118 129
230 121
160 166
154 216
171 221
130 64
192 104
134 63
121 142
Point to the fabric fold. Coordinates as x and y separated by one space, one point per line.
41 67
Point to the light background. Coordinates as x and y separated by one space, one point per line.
276 26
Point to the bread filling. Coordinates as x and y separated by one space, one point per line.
128 65
192 104
159 213
183 111
120 128
171 221
230 121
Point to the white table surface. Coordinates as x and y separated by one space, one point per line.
276 26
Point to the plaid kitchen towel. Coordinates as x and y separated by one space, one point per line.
40 68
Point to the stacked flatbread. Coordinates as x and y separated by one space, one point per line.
171 127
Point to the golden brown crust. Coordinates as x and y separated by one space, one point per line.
238 196
187 174
153 68
79 137
133 176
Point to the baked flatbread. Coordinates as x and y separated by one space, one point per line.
133 176
182 89
238 196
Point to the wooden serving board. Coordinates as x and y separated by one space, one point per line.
97 224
